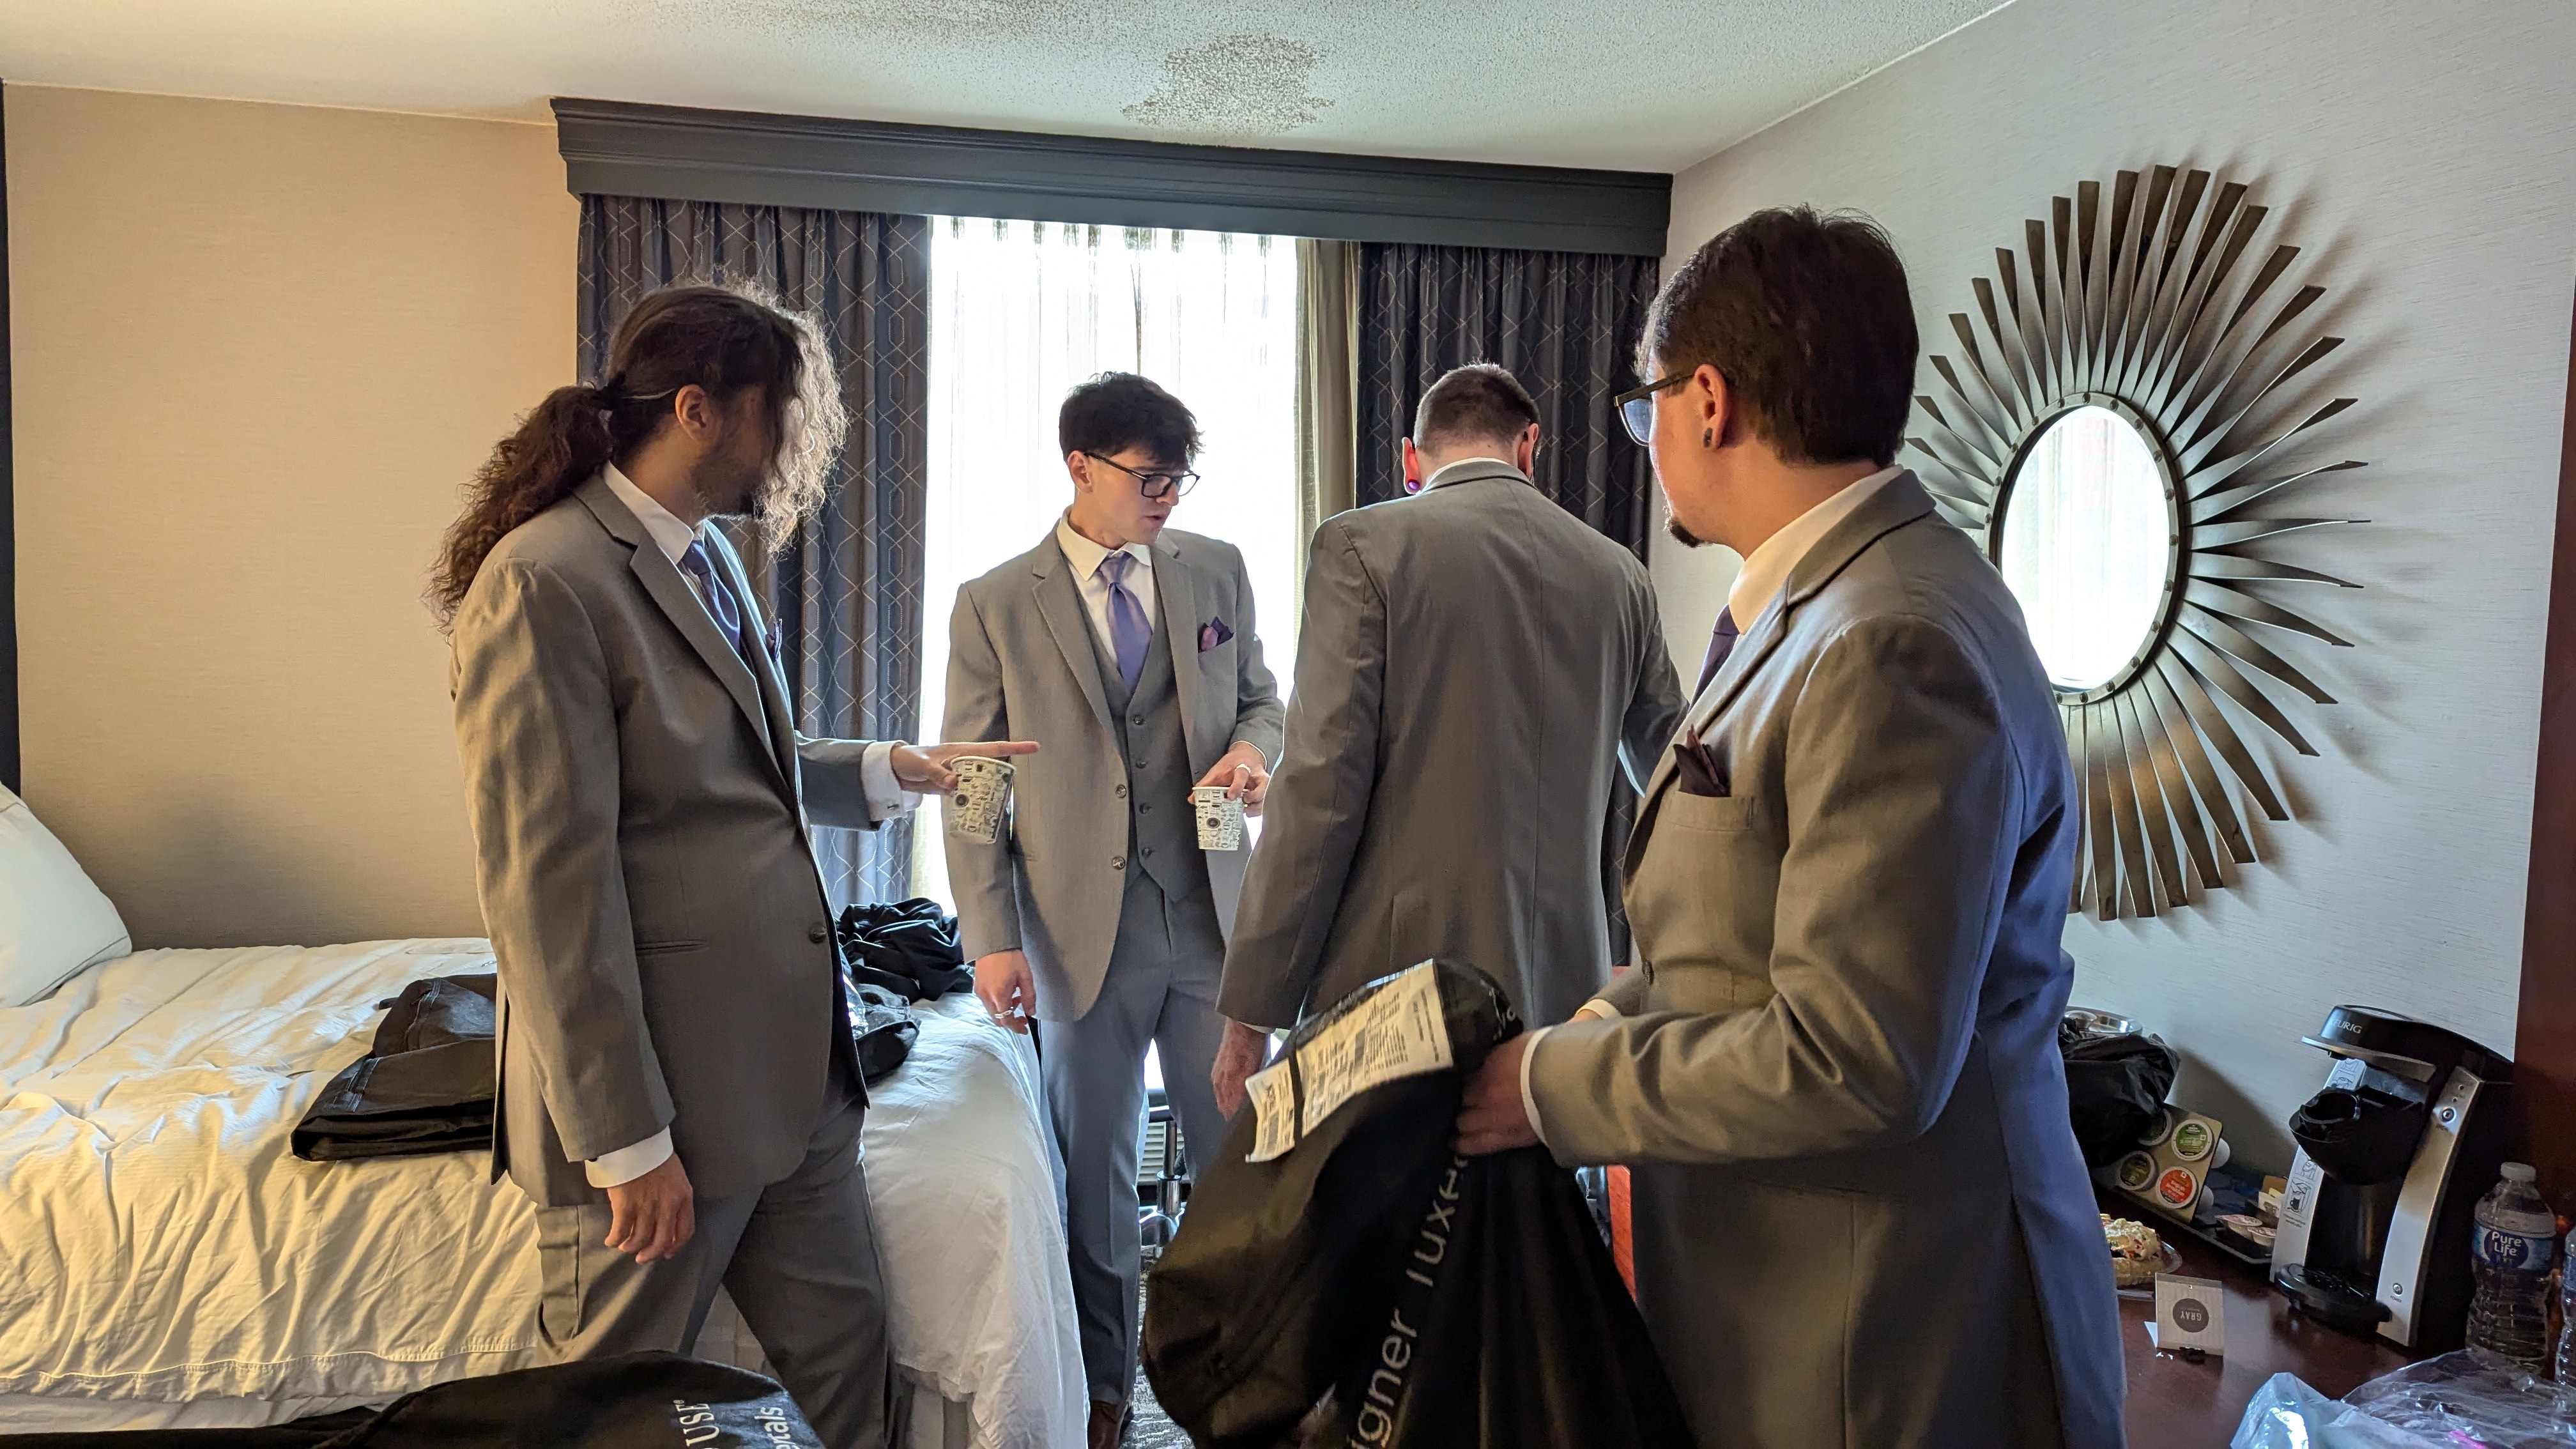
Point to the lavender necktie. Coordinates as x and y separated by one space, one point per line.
1720 644
1128 631
719 599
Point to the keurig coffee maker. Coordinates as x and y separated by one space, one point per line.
2393 1154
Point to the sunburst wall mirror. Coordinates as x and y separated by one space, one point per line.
2126 405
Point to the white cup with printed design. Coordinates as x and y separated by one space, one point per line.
975 808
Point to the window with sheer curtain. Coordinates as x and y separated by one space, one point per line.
1019 313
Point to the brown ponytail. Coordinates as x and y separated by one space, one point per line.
717 338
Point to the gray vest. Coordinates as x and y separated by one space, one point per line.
1162 832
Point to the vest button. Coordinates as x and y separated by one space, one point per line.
819 935
1149 850
1135 719
1140 764
1145 807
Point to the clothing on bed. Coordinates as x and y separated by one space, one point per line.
427 1085
909 946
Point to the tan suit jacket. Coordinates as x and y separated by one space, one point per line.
1022 666
639 796
1860 1216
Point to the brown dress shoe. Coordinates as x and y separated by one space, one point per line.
1108 1424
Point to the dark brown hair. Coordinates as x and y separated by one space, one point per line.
1475 403
1808 319
722 339
1120 410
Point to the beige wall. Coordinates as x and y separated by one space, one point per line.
2423 158
257 349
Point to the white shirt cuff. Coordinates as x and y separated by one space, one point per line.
616 1169
886 795
1529 1104
1600 1007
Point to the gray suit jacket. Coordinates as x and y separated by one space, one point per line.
1475 664
1022 666
638 798
1860 1215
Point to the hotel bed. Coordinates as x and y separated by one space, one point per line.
165 1262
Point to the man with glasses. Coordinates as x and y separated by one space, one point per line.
1128 648
1475 667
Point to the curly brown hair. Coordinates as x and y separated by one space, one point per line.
721 339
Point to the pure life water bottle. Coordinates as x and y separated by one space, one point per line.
2510 1252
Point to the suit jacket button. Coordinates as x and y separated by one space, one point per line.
819 935
1122 792
1117 862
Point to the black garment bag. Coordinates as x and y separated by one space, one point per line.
1372 1287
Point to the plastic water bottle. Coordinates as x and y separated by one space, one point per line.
2510 1253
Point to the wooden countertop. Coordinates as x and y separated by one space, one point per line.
2175 1404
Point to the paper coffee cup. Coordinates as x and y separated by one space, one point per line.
975 810
1220 819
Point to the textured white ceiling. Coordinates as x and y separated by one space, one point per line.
1641 84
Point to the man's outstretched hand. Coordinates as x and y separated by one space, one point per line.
1009 993
924 769
654 1216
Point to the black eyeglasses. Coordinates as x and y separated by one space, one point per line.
1155 486
1637 405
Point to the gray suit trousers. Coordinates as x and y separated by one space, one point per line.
1160 988
800 1259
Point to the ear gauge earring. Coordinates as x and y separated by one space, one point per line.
1708 437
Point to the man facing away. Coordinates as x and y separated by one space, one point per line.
1475 667
678 1089
1129 647
1860 1216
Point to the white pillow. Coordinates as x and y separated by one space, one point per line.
54 921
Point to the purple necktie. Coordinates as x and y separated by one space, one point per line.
719 599
1720 644
1128 631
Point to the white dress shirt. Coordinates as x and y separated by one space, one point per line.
886 796
1086 558
1764 575
1448 468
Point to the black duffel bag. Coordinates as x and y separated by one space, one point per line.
1371 1285
2115 1085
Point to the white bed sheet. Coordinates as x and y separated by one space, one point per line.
160 1246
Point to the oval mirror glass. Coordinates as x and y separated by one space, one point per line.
2087 546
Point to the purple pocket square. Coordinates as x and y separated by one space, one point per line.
1213 633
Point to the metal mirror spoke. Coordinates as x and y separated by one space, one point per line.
2125 400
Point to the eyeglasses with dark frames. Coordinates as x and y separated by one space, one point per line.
1155 486
1637 405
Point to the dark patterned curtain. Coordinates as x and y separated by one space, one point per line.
1565 324
848 585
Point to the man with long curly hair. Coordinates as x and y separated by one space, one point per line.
679 1092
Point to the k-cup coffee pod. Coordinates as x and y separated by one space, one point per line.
2137 1171
2178 1189
2192 1140
983 787
1220 819
2159 1129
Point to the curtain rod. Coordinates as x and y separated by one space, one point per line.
614 148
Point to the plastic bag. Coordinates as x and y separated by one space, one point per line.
2448 1402
1367 1284
640 1401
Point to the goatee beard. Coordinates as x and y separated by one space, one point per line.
1681 535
